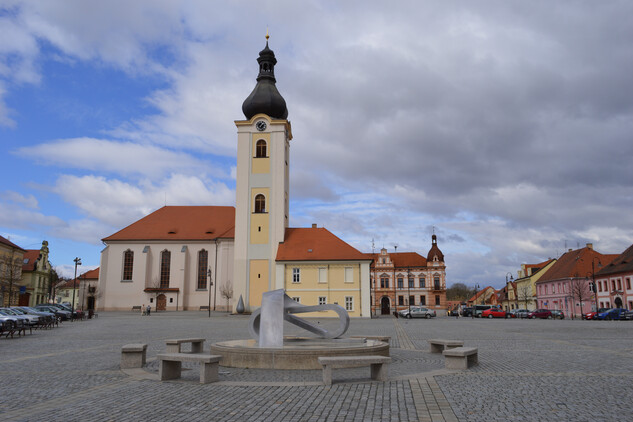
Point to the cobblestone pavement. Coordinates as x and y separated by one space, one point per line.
528 370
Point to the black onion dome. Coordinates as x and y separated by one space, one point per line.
435 251
265 97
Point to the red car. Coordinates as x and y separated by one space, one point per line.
540 313
592 315
494 313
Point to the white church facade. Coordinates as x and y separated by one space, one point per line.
193 257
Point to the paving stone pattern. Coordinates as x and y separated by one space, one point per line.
528 370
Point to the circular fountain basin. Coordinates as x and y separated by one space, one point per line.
296 353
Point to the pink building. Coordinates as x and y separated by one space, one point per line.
566 285
614 282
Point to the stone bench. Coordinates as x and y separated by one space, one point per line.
379 365
460 357
133 355
386 339
439 345
173 345
136 308
204 308
171 365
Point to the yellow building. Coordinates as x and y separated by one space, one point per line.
524 295
316 268
11 259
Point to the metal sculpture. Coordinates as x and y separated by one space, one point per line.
267 323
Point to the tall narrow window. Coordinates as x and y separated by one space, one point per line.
165 266
384 282
260 149
436 282
203 264
411 283
437 299
322 300
349 275
296 275
400 283
422 282
422 300
260 203
411 300
322 275
128 264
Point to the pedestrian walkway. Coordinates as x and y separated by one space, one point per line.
529 370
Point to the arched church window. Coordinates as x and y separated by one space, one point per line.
260 203
260 149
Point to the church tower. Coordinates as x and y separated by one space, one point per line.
261 211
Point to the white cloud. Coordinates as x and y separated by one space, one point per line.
29 201
125 158
118 203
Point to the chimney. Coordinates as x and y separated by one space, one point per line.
314 225
590 246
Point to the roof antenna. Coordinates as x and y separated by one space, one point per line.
372 246
395 247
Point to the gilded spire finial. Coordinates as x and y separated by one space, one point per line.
267 36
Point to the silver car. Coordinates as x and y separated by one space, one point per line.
417 312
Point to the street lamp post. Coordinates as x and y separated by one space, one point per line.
472 312
515 293
409 289
72 309
210 284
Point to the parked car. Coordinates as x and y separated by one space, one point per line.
627 315
61 314
417 312
592 315
611 314
518 313
494 313
468 311
67 307
478 309
21 320
45 316
557 314
33 320
9 322
540 313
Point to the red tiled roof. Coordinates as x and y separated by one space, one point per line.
401 259
623 263
90 275
10 244
181 223
482 291
30 258
576 263
316 244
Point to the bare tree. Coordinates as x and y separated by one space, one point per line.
524 293
579 291
11 275
226 290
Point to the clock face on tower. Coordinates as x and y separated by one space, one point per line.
261 125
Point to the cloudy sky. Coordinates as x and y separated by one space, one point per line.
505 126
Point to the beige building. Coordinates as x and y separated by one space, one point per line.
36 276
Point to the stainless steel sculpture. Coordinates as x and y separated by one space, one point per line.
267 323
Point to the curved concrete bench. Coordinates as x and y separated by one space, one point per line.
439 345
379 365
461 357
171 365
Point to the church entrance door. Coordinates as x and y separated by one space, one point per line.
161 302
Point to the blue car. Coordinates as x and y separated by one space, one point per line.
615 313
